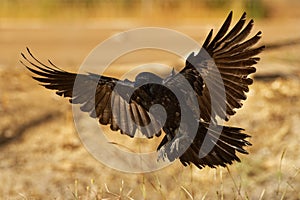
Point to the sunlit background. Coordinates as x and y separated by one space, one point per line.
142 9
41 156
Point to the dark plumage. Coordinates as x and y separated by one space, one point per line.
115 102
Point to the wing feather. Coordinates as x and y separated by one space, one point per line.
98 100
220 33
232 57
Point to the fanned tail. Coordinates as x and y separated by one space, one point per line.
213 146
218 149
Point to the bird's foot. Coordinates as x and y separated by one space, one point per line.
180 144
162 154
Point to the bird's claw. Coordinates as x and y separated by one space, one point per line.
162 154
175 145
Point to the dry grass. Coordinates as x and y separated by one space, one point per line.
48 157
43 158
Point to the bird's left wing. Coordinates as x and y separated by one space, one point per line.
223 62
98 96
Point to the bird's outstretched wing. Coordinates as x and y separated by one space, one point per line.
234 56
97 95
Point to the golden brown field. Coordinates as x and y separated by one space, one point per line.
42 157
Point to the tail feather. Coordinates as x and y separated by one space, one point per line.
212 146
218 150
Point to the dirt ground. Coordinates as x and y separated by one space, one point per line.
42 156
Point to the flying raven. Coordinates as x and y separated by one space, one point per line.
126 105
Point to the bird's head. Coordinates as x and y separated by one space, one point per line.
147 77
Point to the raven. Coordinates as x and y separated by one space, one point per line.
127 105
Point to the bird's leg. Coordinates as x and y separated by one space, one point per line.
175 147
162 154
180 143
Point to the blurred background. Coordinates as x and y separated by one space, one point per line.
41 156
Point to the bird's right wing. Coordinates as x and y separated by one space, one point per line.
98 96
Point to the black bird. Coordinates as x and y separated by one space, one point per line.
127 105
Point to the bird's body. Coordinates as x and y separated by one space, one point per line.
192 132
